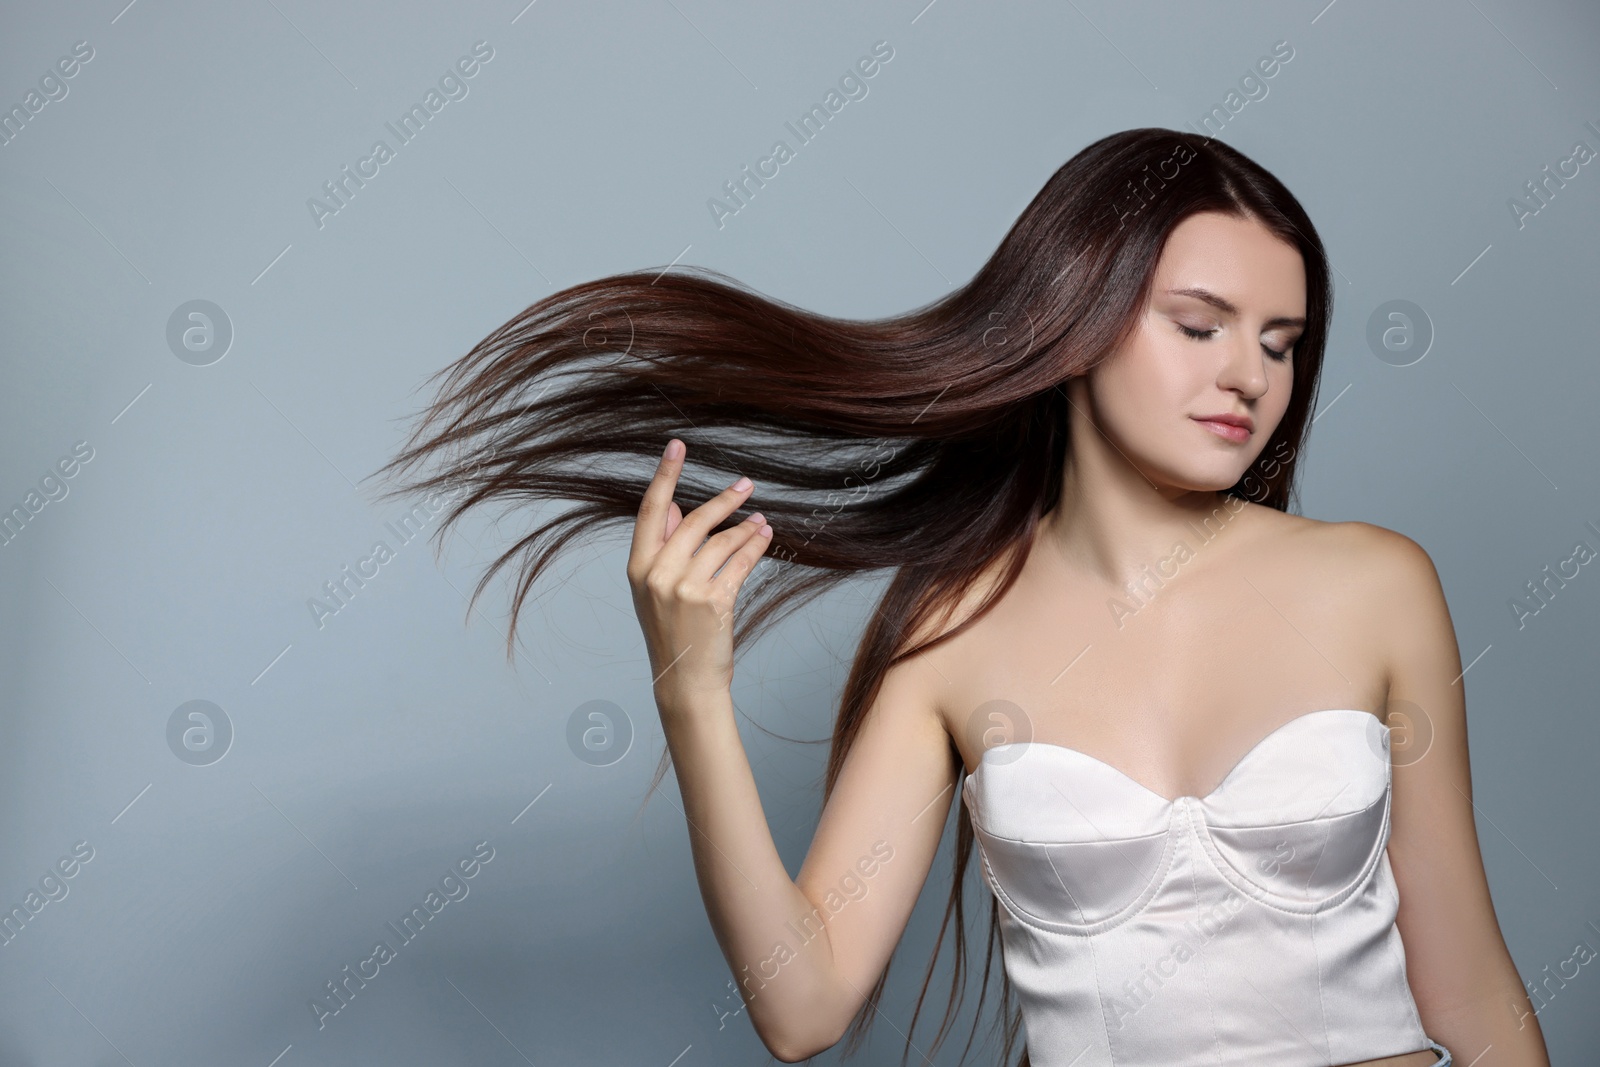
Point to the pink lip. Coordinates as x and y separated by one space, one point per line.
1234 428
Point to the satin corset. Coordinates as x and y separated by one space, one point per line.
1251 926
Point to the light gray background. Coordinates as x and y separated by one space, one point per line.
372 753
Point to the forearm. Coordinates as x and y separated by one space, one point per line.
771 934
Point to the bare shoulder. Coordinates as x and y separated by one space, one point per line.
1348 551
929 672
1384 557
1404 590
1388 583
944 620
1383 579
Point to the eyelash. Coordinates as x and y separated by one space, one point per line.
1201 335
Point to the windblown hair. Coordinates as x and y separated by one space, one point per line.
929 443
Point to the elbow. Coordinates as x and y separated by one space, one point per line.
794 1048
810 1018
785 1053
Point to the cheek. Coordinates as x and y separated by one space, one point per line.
1121 396
1280 390
1153 376
1140 398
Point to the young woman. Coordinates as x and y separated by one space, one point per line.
1213 755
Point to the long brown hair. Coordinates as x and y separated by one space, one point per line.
930 443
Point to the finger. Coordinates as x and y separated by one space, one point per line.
715 552
651 528
698 524
674 517
742 562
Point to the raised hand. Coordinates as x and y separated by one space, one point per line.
685 580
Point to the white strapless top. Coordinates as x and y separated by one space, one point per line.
1252 926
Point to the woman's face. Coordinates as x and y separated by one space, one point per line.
1228 297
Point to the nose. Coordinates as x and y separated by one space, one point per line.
1244 369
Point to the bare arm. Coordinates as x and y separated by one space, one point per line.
1462 976
804 953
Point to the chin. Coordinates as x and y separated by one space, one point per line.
1204 481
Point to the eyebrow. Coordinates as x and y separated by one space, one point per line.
1225 305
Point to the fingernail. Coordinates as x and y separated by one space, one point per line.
757 517
743 483
674 449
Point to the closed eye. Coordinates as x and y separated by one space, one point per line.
1201 335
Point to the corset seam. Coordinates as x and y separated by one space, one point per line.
1100 997
1389 940
1277 901
1294 822
1397 948
1322 1004
1205 971
1071 897
1136 905
1113 840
